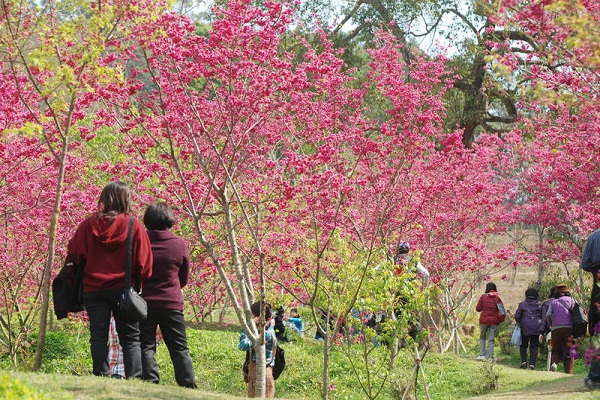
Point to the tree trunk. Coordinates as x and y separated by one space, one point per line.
47 274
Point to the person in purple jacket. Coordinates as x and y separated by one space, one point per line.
561 325
529 317
163 294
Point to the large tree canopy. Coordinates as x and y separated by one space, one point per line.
296 165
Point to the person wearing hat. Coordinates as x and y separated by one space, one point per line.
402 258
561 326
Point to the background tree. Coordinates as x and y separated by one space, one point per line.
556 59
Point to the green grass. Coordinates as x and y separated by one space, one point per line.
217 362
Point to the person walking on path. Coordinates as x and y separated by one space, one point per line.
162 292
529 317
561 326
590 262
100 244
489 319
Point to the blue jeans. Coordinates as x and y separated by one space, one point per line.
487 339
100 305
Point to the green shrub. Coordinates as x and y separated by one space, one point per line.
13 389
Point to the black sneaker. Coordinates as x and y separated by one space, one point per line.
590 384
523 365
532 367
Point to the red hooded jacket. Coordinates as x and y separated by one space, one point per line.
101 243
488 306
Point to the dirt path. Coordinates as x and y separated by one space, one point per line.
564 388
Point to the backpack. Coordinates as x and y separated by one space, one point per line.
278 364
531 319
578 319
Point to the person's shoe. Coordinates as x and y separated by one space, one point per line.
523 365
532 367
490 360
480 358
553 367
591 384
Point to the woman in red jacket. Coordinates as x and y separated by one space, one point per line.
100 244
488 306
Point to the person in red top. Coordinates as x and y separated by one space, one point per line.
100 244
488 321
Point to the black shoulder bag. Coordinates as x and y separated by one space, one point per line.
578 319
131 303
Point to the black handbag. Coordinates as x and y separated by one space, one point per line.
131 303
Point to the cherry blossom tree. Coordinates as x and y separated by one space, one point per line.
557 60
55 55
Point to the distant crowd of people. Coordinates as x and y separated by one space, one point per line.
125 348
549 322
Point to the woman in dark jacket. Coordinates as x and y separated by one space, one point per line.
488 321
529 317
100 244
163 295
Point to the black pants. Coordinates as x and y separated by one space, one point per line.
531 342
99 306
172 326
593 315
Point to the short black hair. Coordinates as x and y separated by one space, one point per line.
159 217
490 286
532 292
255 308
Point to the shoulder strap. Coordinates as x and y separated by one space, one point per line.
565 306
129 256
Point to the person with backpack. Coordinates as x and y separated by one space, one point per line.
529 317
491 308
559 318
246 344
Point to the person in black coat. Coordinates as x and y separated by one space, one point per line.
590 261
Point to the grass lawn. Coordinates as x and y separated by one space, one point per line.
217 363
